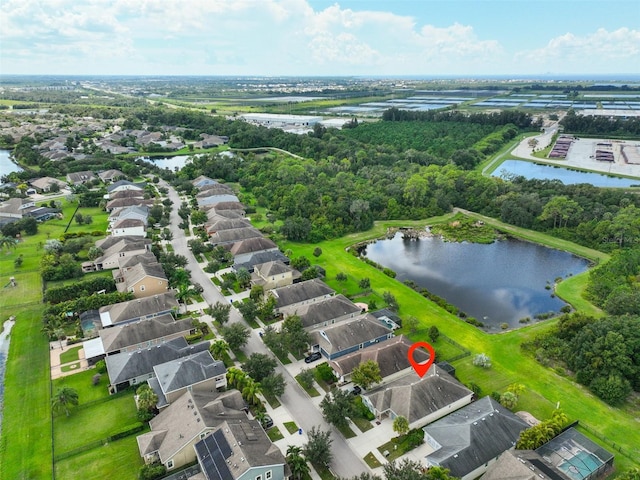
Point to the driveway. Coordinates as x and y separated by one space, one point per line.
298 405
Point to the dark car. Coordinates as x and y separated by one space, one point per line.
313 357
267 422
356 390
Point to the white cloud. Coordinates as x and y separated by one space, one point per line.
617 51
276 37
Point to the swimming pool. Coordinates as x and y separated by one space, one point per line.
581 465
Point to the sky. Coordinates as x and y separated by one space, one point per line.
320 37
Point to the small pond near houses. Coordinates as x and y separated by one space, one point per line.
496 283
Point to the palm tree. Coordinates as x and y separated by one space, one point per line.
251 390
218 349
64 398
236 377
8 242
297 463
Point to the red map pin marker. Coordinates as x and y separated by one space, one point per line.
421 368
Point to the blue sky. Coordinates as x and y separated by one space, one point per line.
320 37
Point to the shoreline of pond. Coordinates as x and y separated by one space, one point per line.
4 358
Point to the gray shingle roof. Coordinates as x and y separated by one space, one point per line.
233 235
136 333
138 308
125 366
181 373
473 435
391 356
324 310
187 417
136 273
342 335
257 258
250 245
415 398
301 292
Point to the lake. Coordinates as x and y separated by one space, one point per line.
538 171
497 283
6 165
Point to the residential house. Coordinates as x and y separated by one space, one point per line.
385 315
249 261
125 194
43 184
135 367
301 293
124 185
128 227
125 247
469 440
139 212
110 176
240 450
226 224
215 199
245 249
392 357
138 309
272 275
421 400
210 141
177 428
144 333
523 465
80 178
202 181
348 336
226 237
127 202
143 280
324 312
214 189
16 208
198 373
227 209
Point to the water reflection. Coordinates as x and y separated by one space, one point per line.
538 171
498 283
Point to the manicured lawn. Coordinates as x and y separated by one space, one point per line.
117 460
93 422
70 355
25 444
82 383
274 434
347 432
291 427
71 367
371 460
362 423
311 391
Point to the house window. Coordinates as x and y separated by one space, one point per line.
267 476
259 477
142 288
202 435
169 464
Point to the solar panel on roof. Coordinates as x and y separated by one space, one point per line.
213 452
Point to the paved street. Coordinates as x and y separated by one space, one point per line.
295 402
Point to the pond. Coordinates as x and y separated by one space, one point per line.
539 171
6 165
496 283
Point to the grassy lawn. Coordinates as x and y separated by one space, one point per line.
119 459
273 401
70 355
371 460
311 390
274 434
347 432
105 419
362 423
25 444
510 365
291 427
71 367
82 383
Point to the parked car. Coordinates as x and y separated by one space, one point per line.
313 357
356 390
267 422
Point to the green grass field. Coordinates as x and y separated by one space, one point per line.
119 459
